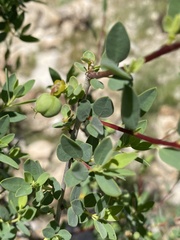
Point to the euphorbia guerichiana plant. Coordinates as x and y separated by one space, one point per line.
96 168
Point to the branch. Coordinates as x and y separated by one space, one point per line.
161 51
141 136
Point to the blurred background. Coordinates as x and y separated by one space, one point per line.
66 28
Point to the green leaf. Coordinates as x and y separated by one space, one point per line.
103 107
80 66
71 147
174 8
130 109
146 100
92 131
111 213
88 57
9 161
22 227
83 110
43 178
77 207
117 43
73 82
29 214
28 38
103 151
4 213
79 171
122 160
145 207
72 217
54 74
56 187
70 180
48 232
108 185
28 86
170 156
91 199
34 168
62 155
97 125
14 116
64 234
110 231
4 125
116 84
108 64
75 193
96 84
87 151
12 184
4 141
100 229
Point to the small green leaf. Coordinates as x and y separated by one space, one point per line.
117 43
43 178
72 217
77 207
29 214
75 193
130 109
100 229
70 180
22 227
12 184
108 64
79 171
22 201
122 160
92 131
110 231
146 100
14 116
71 147
28 86
103 107
96 84
62 155
108 185
111 213
4 141
34 168
28 38
49 232
54 74
80 66
64 234
87 151
88 57
4 125
83 110
9 161
103 151
97 125
73 82
170 156
91 199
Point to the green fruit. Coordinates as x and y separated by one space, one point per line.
48 105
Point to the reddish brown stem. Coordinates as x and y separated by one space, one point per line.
161 51
141 136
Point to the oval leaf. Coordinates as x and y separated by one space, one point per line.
71 147
117 43
103 151
130 109
103 107
9 161
108 185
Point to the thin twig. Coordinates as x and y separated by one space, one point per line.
141 136
161 51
